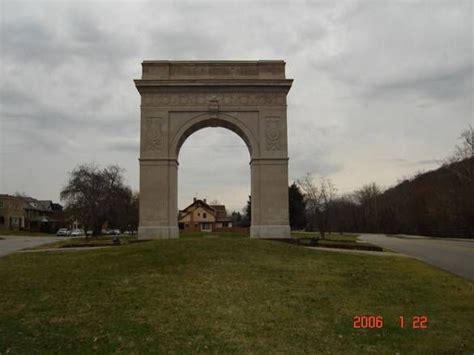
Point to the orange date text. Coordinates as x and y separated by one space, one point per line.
377 322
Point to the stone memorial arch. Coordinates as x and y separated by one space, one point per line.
180 97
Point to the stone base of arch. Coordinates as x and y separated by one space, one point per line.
158 232
256 232
270 232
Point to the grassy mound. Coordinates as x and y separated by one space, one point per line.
204 293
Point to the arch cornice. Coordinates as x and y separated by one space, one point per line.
284 84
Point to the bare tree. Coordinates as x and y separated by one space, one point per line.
319 195
94 196
464 151
461 164
367 197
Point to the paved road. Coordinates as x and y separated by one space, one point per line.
360 252
11 244
456 256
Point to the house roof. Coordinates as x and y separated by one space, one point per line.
33 204
41 205
30 203
218 211
197 203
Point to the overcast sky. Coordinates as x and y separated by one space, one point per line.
382 89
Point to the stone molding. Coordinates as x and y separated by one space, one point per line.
224 98
168 70
158 161
269 161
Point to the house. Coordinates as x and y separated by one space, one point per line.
222 220
199 216
12 215
19 212
43 215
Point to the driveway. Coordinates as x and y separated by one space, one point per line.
11 244
454 255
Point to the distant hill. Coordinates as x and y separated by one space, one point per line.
436 203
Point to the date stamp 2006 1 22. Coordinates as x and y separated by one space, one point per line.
376 322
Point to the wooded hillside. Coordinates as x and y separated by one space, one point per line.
435 203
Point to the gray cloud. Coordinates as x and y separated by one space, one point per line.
407 162
439 86
422 46
381 88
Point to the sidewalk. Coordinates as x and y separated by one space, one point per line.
12 244
361 252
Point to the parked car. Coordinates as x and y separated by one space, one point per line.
77 232
111 232
63 232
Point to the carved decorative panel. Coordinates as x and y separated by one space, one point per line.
272 133
153 134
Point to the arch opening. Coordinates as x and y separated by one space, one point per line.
213 166
222 121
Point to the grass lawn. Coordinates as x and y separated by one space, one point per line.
210 293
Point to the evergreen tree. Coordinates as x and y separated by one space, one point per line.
247 220
297 207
